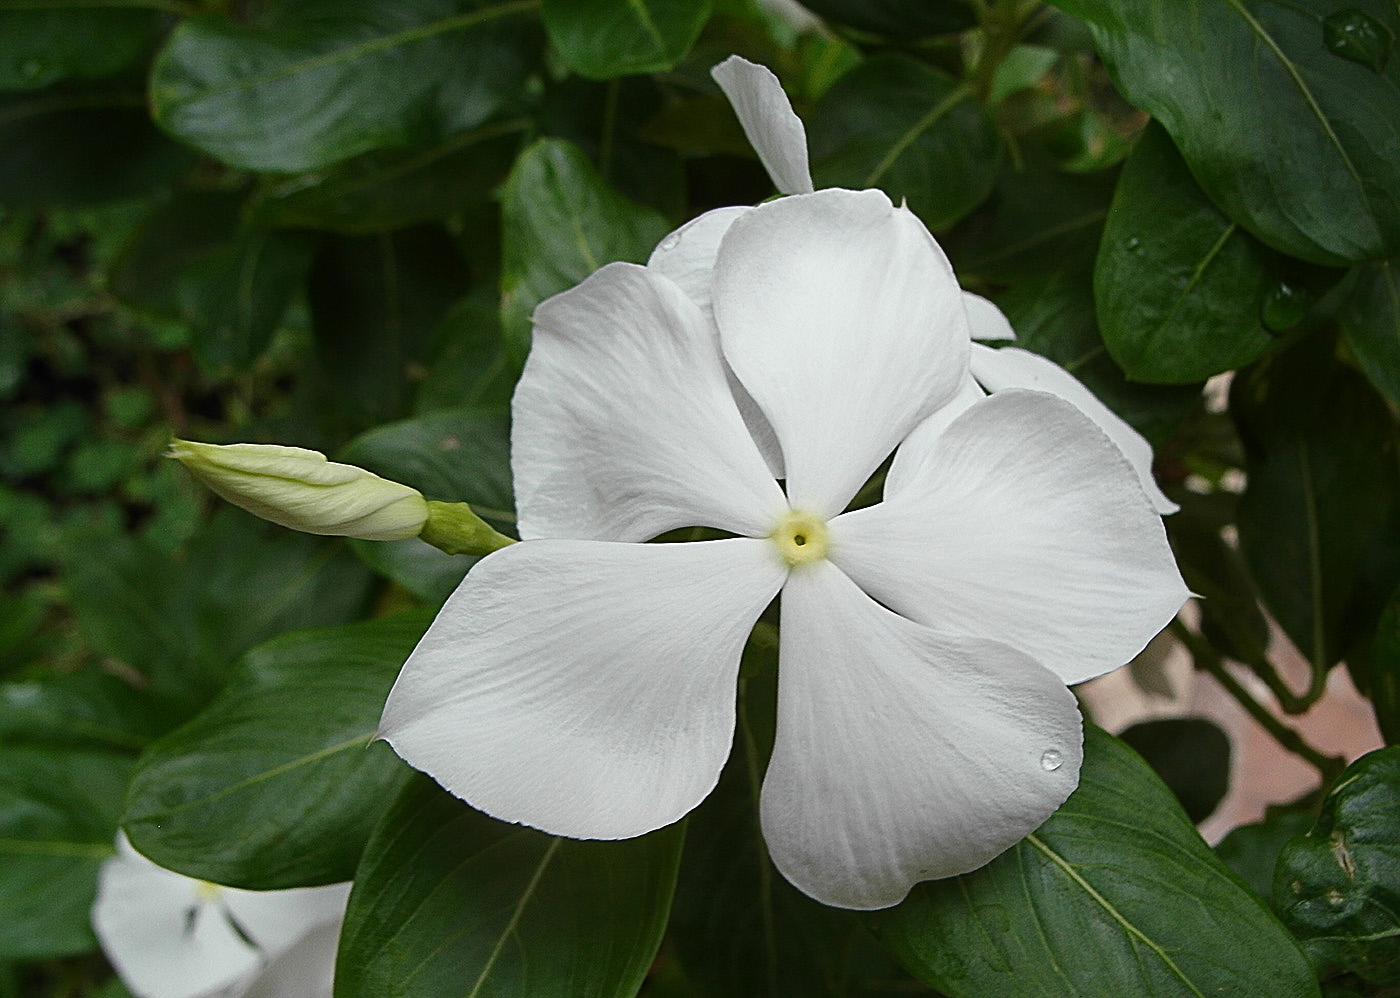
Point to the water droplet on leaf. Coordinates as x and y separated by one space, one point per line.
1283 307
1133 244
1335 896
31 68
1356 35
1051 760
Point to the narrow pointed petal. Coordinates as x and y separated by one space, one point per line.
584 688
687 257
774 131
1026 524
624 426
984 320
161 935
903 754
840 315
1011 367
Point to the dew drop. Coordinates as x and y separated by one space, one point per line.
31 68
1356 35
1284 307
670 242
1133 244
1051 760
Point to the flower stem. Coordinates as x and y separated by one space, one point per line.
1207 658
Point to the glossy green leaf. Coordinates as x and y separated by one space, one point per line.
561 221
1231 619
376 304
1252 850
1371 321
1320 520
455 455
1180 287
1294 140
738 929
1192 757
87 708
45 43
898 18
78 147
182 620
1338 887
1036 224
1115 895
896 123
1054 316
469 366
278 782
58 822
391 190
607 38
1381 661
325 80
449 902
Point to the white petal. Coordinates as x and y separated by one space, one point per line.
624 426
840 315
164 939
911 458
1028 526
276 920
687 257
1011 367
902 754
985 320
581 687
774 131
306 970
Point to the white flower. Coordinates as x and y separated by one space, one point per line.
583 683
777 135
300 489
171 936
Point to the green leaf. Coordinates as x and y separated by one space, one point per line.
1320 520
1252 850
738 929
88 709
70 40
1338 887
606 38
456 455
896 123
1371 321
182 620
376 304
560 222
390 190
1054 316
325 80
78 147
1214 569
1180 288
469 366
58 822
898 18
1190 754
193 260
1116 894
1036 224
526 913
279 781
1293 139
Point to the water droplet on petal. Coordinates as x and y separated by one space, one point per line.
1284 307
1356 35
670 242
1051 760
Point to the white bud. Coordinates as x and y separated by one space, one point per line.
299 488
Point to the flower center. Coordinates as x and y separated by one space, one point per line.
800 537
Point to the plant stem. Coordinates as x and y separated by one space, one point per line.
1210 660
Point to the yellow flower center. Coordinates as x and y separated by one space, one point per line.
206 893
801 538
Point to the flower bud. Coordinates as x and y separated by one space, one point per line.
299 488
